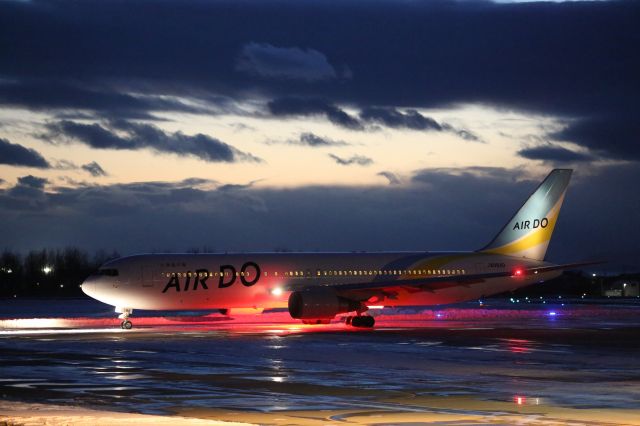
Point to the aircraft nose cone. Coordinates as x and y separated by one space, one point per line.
88 287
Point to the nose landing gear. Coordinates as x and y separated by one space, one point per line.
124 316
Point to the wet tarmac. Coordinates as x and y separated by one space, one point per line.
537 364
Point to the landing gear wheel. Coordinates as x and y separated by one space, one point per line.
124 316
363 321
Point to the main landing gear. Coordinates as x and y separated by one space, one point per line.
360 321
124 316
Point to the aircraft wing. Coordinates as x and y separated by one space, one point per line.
364 290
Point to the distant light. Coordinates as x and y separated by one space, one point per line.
61 285
276 291
438 315
375 306
520 400
517 272
9 271
47 269
552 314
593 275
624 285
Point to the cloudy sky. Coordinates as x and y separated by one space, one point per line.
316 125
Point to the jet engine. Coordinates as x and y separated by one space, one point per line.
320 303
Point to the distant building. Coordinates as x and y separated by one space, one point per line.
622 287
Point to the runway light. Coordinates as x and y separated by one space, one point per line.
276 291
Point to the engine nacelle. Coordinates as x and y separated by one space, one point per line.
319 303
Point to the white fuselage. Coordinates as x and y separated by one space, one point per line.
265 280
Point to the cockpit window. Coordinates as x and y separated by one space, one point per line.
108 272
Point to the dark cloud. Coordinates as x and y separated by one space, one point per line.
315 141
440 210
94 169
468 174
391 177
15 154
391 117
265 60
615 136
554 154
33 181
28 193
235 187
121 134
293 106
359 160
465 134
411 119
125 61
107 102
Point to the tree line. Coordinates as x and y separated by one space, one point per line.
48 272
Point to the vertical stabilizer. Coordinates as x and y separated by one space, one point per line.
529 231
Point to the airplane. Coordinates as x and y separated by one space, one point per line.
317 287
